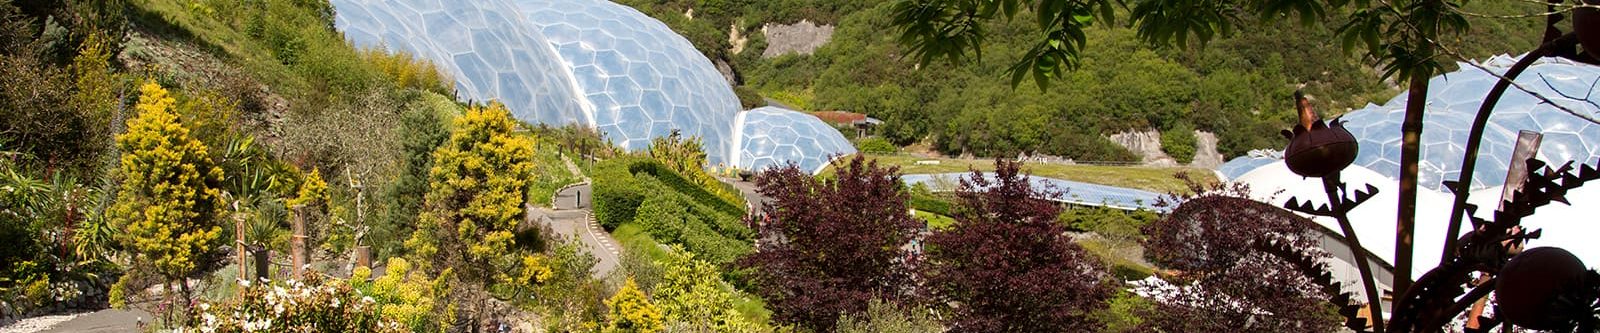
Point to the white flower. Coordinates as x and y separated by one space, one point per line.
335 302
244 283
367 299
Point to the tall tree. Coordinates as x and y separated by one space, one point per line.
1008 266
479 183
828 246
169 201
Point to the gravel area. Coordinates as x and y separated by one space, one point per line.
37 324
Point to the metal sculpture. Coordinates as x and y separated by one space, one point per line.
1545 288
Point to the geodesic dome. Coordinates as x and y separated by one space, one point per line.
770 136
591 62
642 79
492 52
1453 100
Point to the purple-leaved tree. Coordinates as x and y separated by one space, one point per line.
828 246
1238 265
1008 266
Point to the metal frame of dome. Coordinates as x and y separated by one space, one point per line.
1453 100
519 69
592 62
641 80
769 136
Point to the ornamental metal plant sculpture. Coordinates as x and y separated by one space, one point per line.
1544 288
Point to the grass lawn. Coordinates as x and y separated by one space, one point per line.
935 221
633 238
1110 253
1159 180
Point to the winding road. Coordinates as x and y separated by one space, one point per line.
573 218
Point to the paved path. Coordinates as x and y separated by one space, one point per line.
103 321
572 218
752 198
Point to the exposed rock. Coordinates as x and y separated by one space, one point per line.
1146 144
737 39
803 38
1205 152
727 71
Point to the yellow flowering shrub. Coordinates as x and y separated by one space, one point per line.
407 296
692 296
631 311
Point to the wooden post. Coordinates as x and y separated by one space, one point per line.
1517 173
297 244
364 256
238 243
261 264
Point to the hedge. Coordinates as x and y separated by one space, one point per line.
669 208
616 195
681 185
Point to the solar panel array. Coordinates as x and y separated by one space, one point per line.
1079 193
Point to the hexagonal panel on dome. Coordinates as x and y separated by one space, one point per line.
491 54
631 63
770 136
1453 101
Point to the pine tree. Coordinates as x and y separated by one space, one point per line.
169 200
478 185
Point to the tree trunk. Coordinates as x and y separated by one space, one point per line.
188 309
1410 153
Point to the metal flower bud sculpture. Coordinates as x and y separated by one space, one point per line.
1542 288
1547 289
1318 148
1322 149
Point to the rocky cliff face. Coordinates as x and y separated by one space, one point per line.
803 37
1147 144
1205 152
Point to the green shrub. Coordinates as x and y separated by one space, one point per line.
616 195
662 217
679 184
749 98
1179 142
875 145
929 202
1108 222
889 318
1123 313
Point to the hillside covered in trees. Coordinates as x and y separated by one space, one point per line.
1237 86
